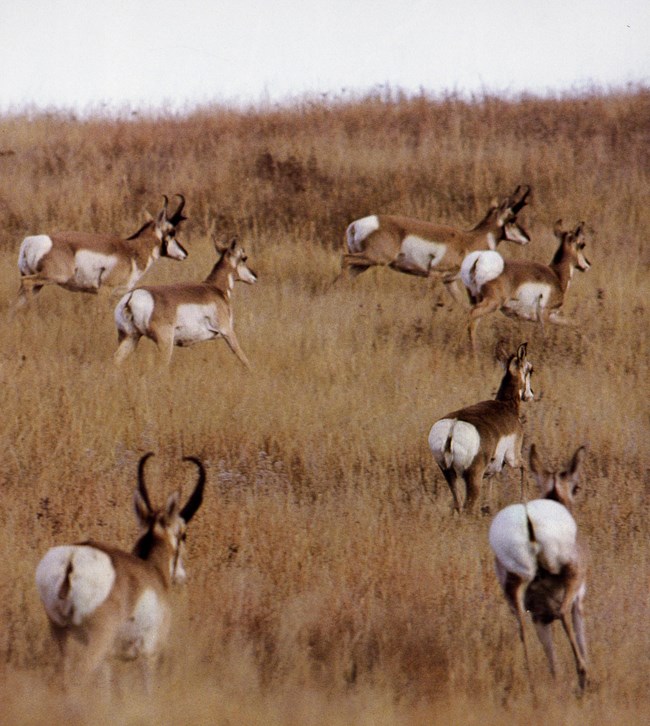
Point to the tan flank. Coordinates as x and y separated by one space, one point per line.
478 440
84 262
541 561
103 601
185 313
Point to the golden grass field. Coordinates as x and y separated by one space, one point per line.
329 581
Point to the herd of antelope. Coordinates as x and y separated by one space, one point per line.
103 601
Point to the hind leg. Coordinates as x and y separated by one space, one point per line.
451 477
473 481
126 345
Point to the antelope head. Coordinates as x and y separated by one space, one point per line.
572 246
166 527
519 371
561 486
506 216
236 258
165 226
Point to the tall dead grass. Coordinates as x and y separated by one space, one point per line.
329 581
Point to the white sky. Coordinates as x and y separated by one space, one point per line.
157 53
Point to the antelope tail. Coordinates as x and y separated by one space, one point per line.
447 453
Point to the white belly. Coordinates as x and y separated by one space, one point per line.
529 300
505 451
421 254
32 250
195 323
145 629
91 268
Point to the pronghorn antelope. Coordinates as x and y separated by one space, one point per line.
84 262
541 563
421 248
103 601
185 313
523 289
478 440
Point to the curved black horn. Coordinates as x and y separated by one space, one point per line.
178 217
519 197
194 502
141 485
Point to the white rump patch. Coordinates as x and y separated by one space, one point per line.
90 574
358 230
464 446
505 450
195 323
420 254
554 531
145 628
32 251
529 300
480 267
133 312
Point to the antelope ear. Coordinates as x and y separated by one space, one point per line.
522 350
557 229
577 232
233 244
576 462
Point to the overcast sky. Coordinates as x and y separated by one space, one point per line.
82 54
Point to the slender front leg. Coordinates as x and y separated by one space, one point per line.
232 341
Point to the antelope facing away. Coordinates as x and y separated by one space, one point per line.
420 248
478 440
541 563
522 289
84 262
185 313
102 601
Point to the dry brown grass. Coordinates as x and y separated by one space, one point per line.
329 581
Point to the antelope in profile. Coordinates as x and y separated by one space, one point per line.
84 262
102 601
541 563
421 248
185 313
478 440
522 289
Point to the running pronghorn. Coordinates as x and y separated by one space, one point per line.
102 601
84 262
186 312
541 563
478 440
422 248
523 289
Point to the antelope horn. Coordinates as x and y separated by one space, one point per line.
141 485
196 498
178 217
